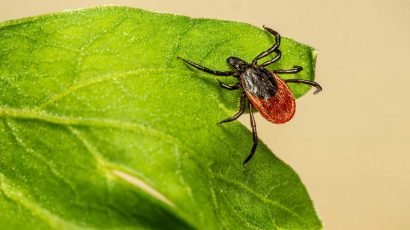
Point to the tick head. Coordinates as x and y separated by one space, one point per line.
238 63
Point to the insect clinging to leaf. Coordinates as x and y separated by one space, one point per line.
263 88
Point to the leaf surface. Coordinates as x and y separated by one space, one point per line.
103 128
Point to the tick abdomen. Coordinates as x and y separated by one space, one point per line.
278 109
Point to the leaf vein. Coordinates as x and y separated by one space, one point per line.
261 197
92 40
27 149
181 36
240 218
17 195
106 77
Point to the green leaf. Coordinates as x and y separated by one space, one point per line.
102 127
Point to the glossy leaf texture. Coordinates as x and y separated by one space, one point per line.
103 128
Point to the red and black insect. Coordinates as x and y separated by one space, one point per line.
265 90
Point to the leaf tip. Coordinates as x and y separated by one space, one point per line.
314 55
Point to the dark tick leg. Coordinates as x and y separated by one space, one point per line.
229 87
270 50
275 59
207 70
295 69
255 135
307 82
239 113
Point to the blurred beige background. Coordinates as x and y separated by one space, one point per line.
350 143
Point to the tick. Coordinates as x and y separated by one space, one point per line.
263 88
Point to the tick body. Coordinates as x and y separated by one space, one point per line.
264 89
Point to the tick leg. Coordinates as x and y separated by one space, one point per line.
307 82
255 135
229 87
295 69
207 70
239 113
270 50
275 59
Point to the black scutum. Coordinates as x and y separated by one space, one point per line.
259 82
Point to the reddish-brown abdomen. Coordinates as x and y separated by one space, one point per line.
277 109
